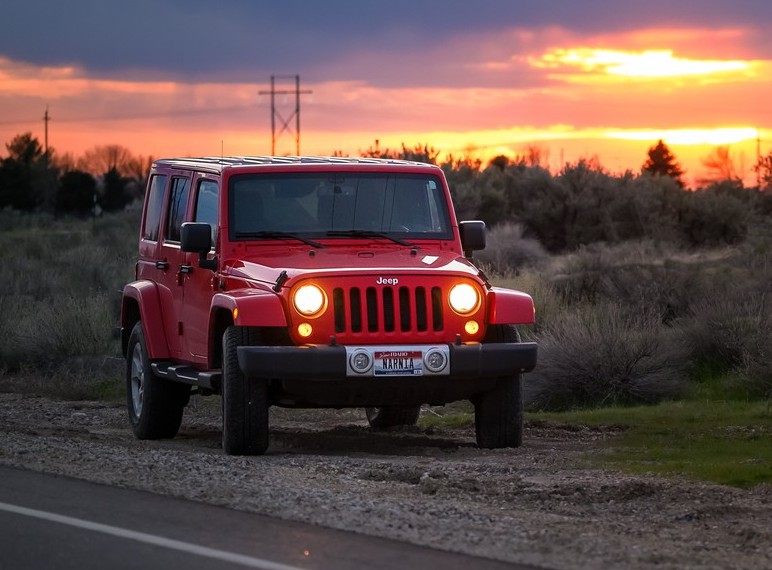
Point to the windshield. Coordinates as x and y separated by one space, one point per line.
410 206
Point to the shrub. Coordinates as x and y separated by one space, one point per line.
602 355
712 217
728 330
642 276
549 303
507 250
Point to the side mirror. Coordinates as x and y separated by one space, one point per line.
472 236
196 237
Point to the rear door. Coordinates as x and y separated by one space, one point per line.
170 260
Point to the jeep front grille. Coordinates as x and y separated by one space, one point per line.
387 309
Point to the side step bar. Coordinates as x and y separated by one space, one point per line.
208 380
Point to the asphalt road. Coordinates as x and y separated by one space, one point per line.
55 522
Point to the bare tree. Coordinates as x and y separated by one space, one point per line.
535 155
721 167
102 159
764 170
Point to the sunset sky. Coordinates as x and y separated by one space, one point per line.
577 79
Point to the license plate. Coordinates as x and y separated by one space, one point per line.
398 363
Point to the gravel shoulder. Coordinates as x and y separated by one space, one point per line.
538 504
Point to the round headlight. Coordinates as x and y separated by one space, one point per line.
309 300
463 298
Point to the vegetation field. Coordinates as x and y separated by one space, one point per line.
654 306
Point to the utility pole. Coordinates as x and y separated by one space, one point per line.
46 118
285 123
758 159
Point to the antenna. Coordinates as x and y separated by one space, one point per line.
285 123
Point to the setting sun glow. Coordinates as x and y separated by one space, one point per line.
649 64
720 136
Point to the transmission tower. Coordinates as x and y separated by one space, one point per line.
285 124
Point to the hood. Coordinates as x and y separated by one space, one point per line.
301 262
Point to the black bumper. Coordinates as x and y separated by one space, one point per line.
467 361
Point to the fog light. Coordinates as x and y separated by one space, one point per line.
435 360
360 361
305 330
471 327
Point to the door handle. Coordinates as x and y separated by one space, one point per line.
162 265
186 269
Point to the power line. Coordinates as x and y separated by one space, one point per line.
136 116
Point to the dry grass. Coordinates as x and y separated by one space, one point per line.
61 280
642 322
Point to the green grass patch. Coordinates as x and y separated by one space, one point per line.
726 442
455 415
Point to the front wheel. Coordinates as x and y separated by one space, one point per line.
498 413
155 405
392 416
244 400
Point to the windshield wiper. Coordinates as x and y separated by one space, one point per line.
368 233
272 234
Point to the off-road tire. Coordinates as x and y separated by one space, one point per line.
154 404
392 416
244 400
498 413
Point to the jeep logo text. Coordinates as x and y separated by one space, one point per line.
386 281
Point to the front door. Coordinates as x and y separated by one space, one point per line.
199 283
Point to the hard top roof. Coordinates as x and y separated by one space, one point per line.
218 164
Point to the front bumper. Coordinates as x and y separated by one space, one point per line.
467 361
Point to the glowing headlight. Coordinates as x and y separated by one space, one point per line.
463 298
309 300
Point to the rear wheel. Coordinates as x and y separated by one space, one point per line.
244 400
155 405
392 416
498 413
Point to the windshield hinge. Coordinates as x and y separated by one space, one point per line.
280 281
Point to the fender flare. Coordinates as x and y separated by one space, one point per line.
145 295
251 308
509 307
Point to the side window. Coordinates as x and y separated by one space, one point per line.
207 205
178 205
155 203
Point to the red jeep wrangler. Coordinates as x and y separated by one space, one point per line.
315 282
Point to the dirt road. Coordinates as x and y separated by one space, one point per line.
537 504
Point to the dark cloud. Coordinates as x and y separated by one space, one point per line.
238 40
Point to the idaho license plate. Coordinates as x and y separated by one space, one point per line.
398 363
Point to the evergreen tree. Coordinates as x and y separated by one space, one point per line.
76 192
115 195
24 175
662 162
